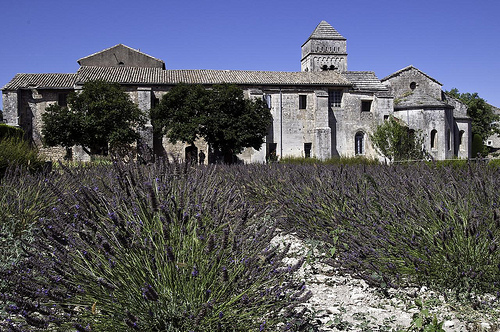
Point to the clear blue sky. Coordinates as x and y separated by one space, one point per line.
457 42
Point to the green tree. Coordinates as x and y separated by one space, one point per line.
221 116
101 116
397 142
484 121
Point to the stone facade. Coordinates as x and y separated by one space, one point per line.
323 111
420 102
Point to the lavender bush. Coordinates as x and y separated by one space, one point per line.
152 248
395 226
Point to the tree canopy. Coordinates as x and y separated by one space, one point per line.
395 141
102 115
484 121
221 116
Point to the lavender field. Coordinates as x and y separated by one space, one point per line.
172 247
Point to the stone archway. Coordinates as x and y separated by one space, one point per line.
191 154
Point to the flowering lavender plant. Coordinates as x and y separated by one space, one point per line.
152 248
394 225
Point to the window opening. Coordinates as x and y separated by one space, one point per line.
448 139
461 140
267 99
359 143
433 139
366 105
413 85
302 102
62 99
307 150
335 98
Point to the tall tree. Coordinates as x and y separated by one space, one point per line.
221 116
101 116
484 121
395 141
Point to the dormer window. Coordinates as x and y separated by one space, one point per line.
121 64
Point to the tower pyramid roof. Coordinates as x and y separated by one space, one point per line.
325 31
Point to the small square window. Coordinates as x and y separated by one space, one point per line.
366 105
302 102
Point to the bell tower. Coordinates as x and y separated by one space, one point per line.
325 49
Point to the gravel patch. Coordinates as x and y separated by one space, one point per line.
343 303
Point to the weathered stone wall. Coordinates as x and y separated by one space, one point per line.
121 56
463 139
402 84
10 107
427 120
351 120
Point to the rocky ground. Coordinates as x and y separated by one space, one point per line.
343 303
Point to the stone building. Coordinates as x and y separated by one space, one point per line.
323 111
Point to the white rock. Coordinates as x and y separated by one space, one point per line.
449 324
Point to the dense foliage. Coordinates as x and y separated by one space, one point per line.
169 247
16 152
221 116
395 141
7 131
99 117
151 249
484 121
398 225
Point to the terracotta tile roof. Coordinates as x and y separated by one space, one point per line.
53 81
365 81
158 76
133 75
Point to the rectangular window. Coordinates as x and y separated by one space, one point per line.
267 100
366 105
335 98
62 99
155 101
302 102
307 150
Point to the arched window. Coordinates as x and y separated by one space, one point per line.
448 139
461 144
359 143
434 139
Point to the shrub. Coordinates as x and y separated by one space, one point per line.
358 160
16 152
7 131
154 248
394 225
